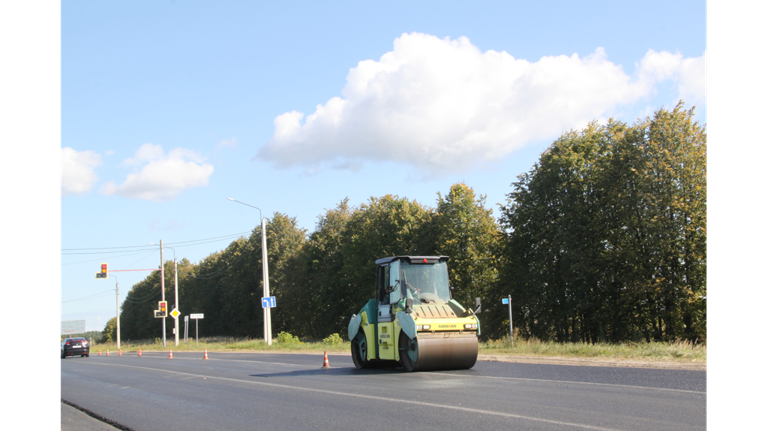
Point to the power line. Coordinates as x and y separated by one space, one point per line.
90 296
154 248
219 272
145 247
206 239
109 252
146 256
141 300
111 257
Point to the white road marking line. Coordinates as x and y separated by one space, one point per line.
232 360
376 398
575 383
485 377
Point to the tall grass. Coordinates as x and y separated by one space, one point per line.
678 351
683 351
281 343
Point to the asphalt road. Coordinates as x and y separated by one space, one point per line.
236 391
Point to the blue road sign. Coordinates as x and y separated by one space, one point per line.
505 301
268 302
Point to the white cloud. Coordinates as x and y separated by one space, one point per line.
162 176
692 79
687 73
442 105
77 171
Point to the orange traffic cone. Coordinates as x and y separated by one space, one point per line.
99 352
170 354
120 352
325 361
206 353
139 352
107 352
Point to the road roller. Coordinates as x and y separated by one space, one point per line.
413 321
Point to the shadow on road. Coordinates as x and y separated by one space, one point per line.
348 371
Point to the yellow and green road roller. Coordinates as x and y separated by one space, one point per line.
413 321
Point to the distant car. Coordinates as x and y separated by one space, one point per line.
75 347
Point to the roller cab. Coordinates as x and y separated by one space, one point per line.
413 322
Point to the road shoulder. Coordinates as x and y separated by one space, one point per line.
594 362
73 419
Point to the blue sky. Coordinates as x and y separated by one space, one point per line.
169 108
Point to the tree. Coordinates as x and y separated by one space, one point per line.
606 234
109 334
658 224
466 231
284 243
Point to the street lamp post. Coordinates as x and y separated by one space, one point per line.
265 274
176 294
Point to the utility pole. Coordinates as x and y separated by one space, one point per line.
117 310
162 285
176 288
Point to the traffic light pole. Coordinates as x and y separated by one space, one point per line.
162 285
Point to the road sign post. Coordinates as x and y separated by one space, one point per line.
508 301
197 317
186 326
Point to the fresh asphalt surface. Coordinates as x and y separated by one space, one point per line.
237 391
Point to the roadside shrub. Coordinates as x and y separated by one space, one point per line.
333 340
287 338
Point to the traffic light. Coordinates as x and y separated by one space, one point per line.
163 310
104 273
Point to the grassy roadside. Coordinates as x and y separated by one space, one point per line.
681 352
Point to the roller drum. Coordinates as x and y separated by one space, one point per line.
440 351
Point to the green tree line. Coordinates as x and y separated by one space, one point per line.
603 239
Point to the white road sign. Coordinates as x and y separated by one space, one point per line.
196 316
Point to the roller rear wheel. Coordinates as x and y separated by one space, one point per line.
409 352
360 351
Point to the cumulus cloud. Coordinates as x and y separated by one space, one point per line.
77 171
692 79
443 105
159 176
687 73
